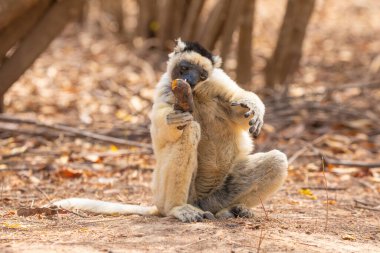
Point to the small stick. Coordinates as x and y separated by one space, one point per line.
327 193
51 203
353 163
265 211
363 203
324 188
75 131
305 148
261 239
368 208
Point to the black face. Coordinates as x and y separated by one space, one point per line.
190 72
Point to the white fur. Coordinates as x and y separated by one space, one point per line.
102 207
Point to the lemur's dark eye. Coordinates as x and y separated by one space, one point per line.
183 68
203 76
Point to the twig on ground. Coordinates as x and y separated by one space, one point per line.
327 194
352 163
35 132
51 206
357 201
364 183
75 131
368 206
265 211
325 188
304 149
261 239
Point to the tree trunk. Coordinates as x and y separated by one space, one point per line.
232 21
287 54
192 19
147 21
244 54
20 26
114 11
12 9
37 40
170 21
214 24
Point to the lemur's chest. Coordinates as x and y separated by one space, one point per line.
216 126
216 149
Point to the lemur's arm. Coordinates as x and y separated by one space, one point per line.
243 107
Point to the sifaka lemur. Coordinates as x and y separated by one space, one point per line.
205 168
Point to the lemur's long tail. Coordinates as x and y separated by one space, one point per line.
103 207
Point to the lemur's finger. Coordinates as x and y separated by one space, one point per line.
256 127
235 103
191 217
208 215
252 129
177 115
253 120
249 113
178 121
258 130
199 217
243 105
179 118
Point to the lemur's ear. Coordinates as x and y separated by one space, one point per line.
179 47
217 61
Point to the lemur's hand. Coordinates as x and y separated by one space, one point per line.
254 111
179 119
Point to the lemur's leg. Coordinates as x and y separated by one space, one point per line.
174 178
250 181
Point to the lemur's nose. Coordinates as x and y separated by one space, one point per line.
191 78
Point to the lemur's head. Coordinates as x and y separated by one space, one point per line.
191 62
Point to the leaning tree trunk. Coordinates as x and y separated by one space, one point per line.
12 9
244 54
213 27
114 13
171 20
230 26
147 20
287 54
192 19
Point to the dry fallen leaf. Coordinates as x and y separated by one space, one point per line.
114 148
66 172
308 193
13 225
348 237
330 202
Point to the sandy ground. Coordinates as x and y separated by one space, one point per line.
290 223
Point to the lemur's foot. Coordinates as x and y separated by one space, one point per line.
240 211
189 213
